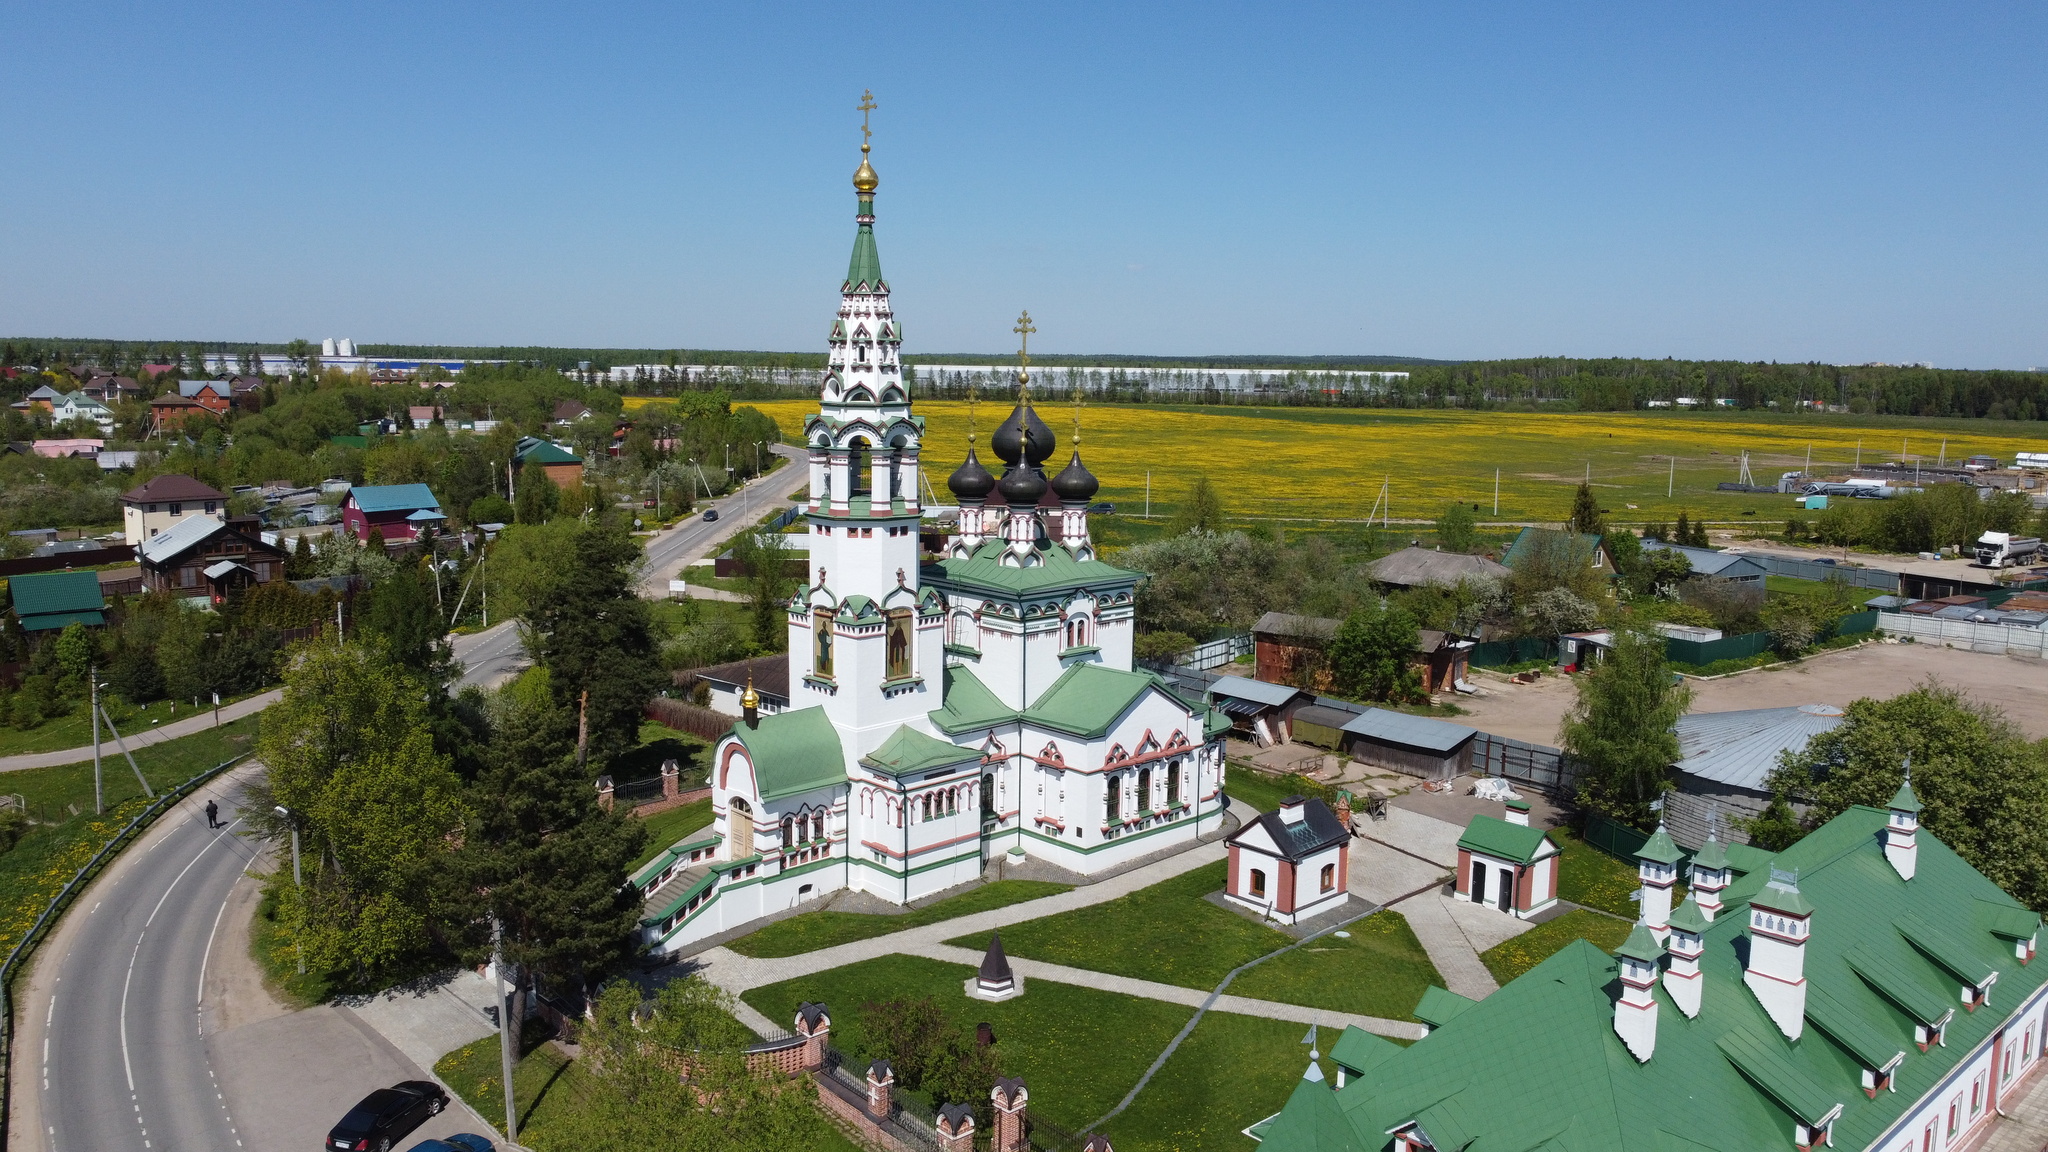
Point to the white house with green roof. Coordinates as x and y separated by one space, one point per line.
940 710
1863 989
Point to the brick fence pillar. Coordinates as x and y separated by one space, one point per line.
604 793
956 1128
1009 1097
671 779
814 1024
881 1089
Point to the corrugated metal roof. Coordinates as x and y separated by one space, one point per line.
186 533
393 497
1414 731
1710 562
1741 748
1257 691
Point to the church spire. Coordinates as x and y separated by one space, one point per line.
864 271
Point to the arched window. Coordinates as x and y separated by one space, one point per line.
1173 783
1329 877
857 467
1145 788
1258 882
1112 799
739 823
927 807
962 631
988 796
789 832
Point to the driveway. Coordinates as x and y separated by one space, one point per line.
2020 687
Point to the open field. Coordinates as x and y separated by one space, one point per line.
1327 463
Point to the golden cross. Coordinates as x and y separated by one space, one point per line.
1077 408
867 104
1024 331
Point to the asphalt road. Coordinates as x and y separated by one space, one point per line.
146 1025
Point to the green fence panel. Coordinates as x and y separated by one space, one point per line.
1617 840
1853 624
1494 653
1697 652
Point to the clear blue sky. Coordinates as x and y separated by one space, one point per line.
1844 182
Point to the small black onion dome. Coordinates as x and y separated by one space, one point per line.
1022 486
1075 484
1023 436
971 482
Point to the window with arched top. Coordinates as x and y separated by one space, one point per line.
739 824
789 832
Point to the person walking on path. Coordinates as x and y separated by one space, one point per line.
212 814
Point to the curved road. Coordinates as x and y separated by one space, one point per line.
120 1059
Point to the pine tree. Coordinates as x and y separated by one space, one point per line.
1682 533
1202 509
595 637
1586 519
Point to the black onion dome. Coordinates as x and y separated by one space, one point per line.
1075 484
1022 485
1023 436
971 482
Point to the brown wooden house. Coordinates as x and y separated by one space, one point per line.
200 556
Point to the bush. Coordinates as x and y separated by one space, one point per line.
1161 645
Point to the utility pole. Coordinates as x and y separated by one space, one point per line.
1807 473
338 638
1148 493
1671 481
1496 493
99 796
285 814
506 1057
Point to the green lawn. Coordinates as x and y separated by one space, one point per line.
1514 957
1594 879
1380 970
1230 1073
1166 932
66 833
1079 1049
813 930
1263 793
665 828
270 944
659 743
75 730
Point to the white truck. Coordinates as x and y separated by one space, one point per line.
2002 549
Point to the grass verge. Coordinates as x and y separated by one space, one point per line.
815 930
547 1086
75 730
1166 932
1380 970
665 828
1511 958
1589 877
1230 1072
271 947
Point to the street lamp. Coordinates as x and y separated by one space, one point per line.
298 882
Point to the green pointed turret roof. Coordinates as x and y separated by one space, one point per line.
1904 800
1640 945
1660 848
1687 917
866 265
1711 855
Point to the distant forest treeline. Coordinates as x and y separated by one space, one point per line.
1550 382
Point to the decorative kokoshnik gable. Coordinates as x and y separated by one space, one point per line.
1866 990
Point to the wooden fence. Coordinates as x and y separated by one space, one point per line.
695 719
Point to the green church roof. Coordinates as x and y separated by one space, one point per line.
982 572
1903 800
1088 698
908 751
1711 855
968 705
793 752
1640 945
1496 837
1440 1006
1537 1065
1687 917
866 266
1659 849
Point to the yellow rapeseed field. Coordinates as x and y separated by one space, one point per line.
1328 464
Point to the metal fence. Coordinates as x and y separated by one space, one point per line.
2001 638
1617 840
1495 653
1816 570
44 923
1215 653
1540 767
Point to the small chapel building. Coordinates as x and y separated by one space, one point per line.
1508 865
1290 864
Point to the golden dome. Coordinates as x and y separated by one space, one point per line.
749 698
864 179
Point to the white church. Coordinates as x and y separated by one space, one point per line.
947 709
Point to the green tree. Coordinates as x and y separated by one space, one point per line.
1682 532
1372 655
537 497
349 754
489 509
1586 519
401 609
1621 730
595 637
1984 787
1201 581
1457 529
764 565
1202 508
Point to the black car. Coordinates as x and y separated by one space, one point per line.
386 1115
1103 508
711 514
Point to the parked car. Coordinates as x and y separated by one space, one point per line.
1103 508
647 503
386 1115
710 514
460 1142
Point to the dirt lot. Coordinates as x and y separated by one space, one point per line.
2020 687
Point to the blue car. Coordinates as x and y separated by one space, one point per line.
460 1142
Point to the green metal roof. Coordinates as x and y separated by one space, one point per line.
909 751
1640 945
1527 539
1903 800
1358 1050
1496 837
968 704
1440 1006
1711 854
1538 1065
62 619
533 449
982 573
1659 849
1088 698
1935 943
56 593
393 497
866 265
793 752
2008 919
1688 917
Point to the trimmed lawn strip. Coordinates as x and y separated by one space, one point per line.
666 828
546 1084
1166 933
1231 1072
814 930
67 833
1590 877
1079 1049
1381 970
1511 958
75 729
1263 793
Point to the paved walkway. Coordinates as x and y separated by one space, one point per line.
1448 946
198 722
2024 1125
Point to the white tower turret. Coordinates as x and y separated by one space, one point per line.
1657 867
1780 920
1635 1011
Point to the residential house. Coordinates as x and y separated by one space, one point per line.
47 601
66 449
724 684
216 396
1865 990
1290 864
1508 865
1531 541
1290 649
163 501
112 390
562 466
201 556
42 399
79 406
1725 759
569 412
171 412
397 511
1733 567
1416 567
423 415
1262 712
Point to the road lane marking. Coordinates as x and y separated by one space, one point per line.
187 868
208 954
